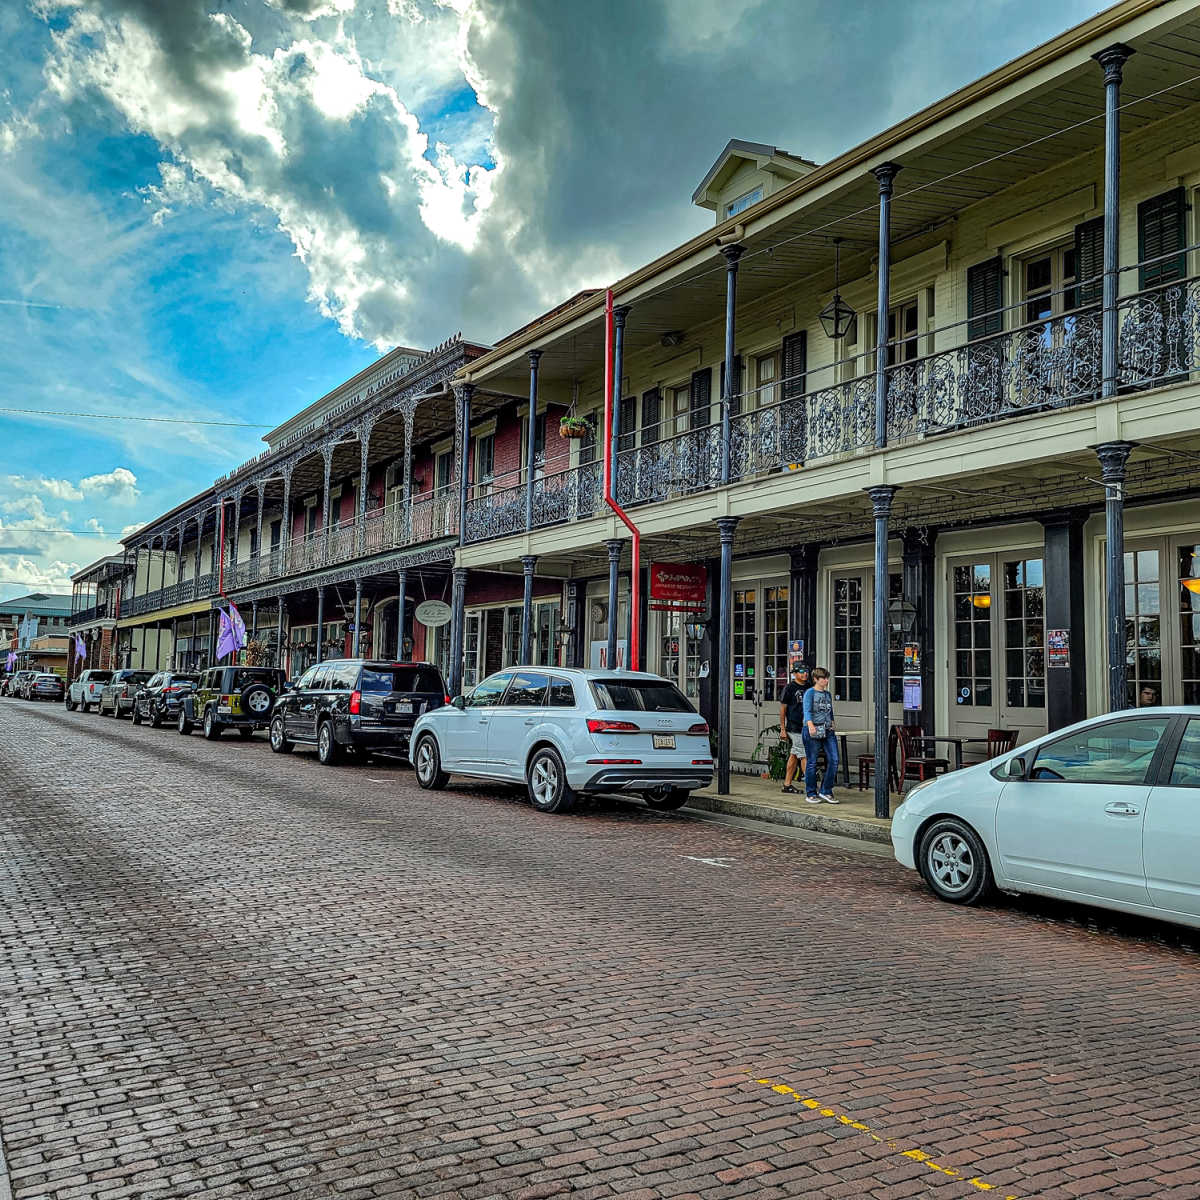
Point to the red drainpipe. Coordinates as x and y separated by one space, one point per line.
635 579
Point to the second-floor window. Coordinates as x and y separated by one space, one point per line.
902 333
743 202
766 375
444 471
1049 279
485 458
276 534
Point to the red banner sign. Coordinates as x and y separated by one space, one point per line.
678 585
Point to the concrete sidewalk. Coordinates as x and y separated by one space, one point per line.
761 800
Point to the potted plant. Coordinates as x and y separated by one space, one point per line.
574 427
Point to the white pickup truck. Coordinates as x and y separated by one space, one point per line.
85 691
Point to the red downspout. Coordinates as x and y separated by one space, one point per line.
635 579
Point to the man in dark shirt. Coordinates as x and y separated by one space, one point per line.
791 722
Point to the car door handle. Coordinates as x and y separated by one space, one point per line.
1119 808
530 721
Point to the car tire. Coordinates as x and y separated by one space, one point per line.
546 779
953 862
278 739
183 725
329 753
71 705
245 734
257 701
427 764
210 728
675 798
156 718
136 715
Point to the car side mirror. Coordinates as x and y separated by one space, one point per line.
1015 768
459 702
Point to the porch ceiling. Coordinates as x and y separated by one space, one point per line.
944 171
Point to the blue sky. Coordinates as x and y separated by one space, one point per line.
220 209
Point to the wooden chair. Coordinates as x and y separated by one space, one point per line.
1001 741
866 764
915 763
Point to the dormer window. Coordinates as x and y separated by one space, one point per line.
743 202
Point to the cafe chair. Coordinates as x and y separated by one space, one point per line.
866 765
914 762
1001 741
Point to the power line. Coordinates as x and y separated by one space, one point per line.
96 416
43 529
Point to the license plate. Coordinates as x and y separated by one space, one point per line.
224 708
664 741
399 706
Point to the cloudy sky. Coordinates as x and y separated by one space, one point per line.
216 210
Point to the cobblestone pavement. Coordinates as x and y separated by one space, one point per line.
227 973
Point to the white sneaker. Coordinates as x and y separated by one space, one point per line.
827 798
812 799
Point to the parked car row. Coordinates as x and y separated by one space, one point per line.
33 685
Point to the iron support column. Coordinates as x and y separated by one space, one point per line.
917 580
614 562
464 457
726 526
530 457
1064 559
327 455
458 598
278 633
619 315
357 617
253 619
802 600
1113 457
1113 61
320 644
528 562
881 505
885 173
401 604
732 256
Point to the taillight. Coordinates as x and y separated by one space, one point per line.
447 699
615 762
599 726
355 703
700 728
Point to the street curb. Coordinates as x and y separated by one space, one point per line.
864 831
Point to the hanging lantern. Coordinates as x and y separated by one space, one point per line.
837 316
981 600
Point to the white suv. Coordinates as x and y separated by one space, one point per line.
564 732
85 691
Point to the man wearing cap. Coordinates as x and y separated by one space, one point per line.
791 722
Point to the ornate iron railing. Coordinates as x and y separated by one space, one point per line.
494 512
1158 338
96 612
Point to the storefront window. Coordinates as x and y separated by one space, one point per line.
745 633
775 643
847 639
896 639
1024 634
1189 622
1143 627
973 634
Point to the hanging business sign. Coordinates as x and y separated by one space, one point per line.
679 587
433 613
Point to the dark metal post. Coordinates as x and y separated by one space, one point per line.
885 173
1113 457
528 562
530 458
917 579
881 505
726 527
278 633
802 600
732 255
614 560
401 605
320 622
253 619
458 606
465 392
1063 575
357 617
1113 61
619 315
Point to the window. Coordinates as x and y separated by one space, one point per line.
527 690
321 678
276 534
378 680
1186 770
485 458
743 202
896 640
635 695
1189 623
627 429
562 694
488 693
766 376
973 634
1143 627
444 471
539 435
1024 634
847 639
1115 752
902 333
1049 281
312 513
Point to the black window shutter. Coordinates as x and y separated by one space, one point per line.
650 416
628 426
1161 233
985 299
700 399
794 364
1089 262
736 406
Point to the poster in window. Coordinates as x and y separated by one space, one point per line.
1058 647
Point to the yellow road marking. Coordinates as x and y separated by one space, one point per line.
916 1155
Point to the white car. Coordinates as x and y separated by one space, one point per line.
565 732
1104 812
85 691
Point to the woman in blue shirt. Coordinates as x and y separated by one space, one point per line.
818 734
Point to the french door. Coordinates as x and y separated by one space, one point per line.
679 637
997 677
760 665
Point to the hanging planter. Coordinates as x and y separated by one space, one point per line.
574 427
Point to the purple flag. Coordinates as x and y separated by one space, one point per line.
239 626
226 642
80 648
11 661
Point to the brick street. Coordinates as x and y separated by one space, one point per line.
230 973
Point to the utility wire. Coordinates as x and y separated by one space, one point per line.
43 529
97 416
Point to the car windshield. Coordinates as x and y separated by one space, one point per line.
639 695
401 679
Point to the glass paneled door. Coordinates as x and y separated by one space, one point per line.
997 677
852 595
759 674
679 637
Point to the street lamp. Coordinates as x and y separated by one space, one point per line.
837 316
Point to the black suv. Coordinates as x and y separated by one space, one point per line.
240 698
159 700
352 703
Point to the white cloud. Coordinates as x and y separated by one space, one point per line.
119 484
126 530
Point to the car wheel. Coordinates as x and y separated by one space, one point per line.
427 762
548 788
329 753
184 726
954 863
212 730
71 705
156 718
279 741
245 734
257 701
135 714
675 798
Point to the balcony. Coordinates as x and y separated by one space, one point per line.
97 612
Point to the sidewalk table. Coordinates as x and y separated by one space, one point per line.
956 742
842 735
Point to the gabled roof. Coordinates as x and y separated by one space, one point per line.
43 604
737 152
